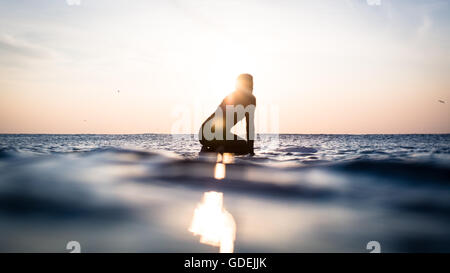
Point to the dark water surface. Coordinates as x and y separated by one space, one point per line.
155 193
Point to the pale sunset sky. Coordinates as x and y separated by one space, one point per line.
318 66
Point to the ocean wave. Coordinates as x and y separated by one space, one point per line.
142 190
319 179
303 150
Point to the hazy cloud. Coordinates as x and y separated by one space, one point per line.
12 45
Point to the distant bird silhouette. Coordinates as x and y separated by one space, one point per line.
441 101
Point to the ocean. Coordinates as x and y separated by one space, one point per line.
157 193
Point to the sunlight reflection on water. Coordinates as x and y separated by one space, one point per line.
214 224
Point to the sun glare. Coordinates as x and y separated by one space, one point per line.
214 224
231 59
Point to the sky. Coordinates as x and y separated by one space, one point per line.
350 66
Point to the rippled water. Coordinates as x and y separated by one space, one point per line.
156 193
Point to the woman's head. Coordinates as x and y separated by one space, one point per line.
244 82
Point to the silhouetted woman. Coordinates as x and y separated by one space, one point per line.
215 133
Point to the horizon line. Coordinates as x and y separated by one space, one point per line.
448 133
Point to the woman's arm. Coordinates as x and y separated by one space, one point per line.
250 130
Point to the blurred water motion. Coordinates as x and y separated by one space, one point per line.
314 193
214 223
